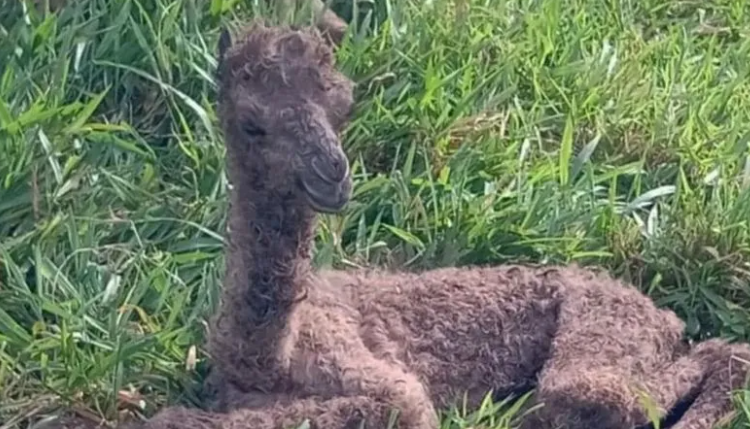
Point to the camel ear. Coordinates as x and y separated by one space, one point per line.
225 42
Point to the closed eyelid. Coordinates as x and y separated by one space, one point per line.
315 76
252 129
250 107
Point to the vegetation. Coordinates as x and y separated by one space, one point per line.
612 133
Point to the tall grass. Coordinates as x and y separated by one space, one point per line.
613 133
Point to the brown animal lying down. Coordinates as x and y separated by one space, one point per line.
340 348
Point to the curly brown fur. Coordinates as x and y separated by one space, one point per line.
343 412
289 343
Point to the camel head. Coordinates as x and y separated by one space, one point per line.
283 105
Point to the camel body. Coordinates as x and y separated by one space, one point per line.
421 341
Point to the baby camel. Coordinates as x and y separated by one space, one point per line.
343 347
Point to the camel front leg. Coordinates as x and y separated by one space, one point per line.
342 364
390 384
334 413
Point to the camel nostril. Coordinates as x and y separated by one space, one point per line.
331 169
322 169
340 167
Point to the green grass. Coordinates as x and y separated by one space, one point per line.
612 133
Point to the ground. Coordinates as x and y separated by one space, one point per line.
608 133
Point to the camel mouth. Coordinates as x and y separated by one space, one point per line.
326 197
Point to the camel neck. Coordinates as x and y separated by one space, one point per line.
269 239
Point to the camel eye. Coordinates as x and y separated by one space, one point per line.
252 130
315 76
325 85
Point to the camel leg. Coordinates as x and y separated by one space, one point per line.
382 385
584 397
725 368
334 413
588 395
392 385
584 393
591 396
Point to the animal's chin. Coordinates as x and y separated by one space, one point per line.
325 197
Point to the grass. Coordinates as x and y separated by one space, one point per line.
612 133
